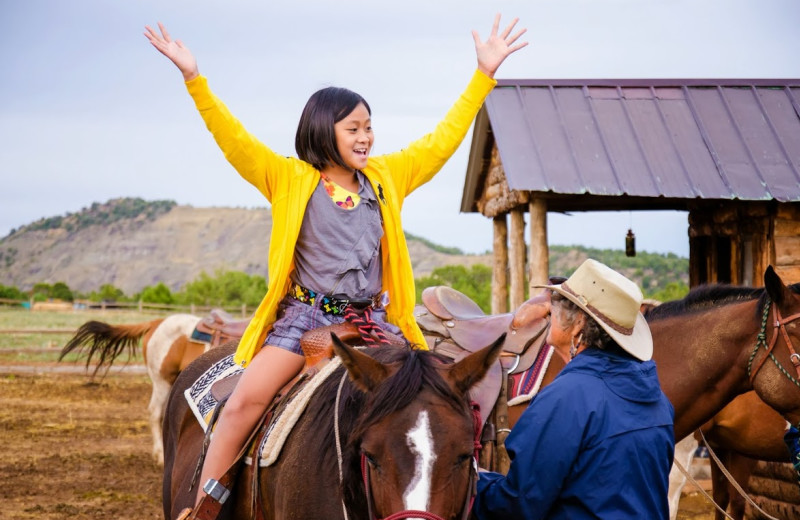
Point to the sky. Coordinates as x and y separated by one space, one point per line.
90 111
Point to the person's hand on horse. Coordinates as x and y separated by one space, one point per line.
497 48
175 50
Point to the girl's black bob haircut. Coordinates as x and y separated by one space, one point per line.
315 141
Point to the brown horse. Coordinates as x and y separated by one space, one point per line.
406 430
747 428
722 341
744 431
708 349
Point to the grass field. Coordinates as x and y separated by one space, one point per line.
39 345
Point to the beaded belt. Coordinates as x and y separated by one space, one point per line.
334 304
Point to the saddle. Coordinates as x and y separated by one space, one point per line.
452 322
455 326
317 348
219 327
316 345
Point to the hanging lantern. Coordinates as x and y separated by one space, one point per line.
630 243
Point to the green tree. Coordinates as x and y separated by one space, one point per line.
225 288
12 293
200 291
107 293
673 291
158 293
62 291
475 282
41 291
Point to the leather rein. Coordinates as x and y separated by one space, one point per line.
472 486
761 340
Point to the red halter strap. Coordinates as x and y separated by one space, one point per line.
472 490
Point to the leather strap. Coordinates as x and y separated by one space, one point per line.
503 461
208 508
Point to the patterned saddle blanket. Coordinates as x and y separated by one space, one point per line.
203 402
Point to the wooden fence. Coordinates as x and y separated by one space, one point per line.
139 306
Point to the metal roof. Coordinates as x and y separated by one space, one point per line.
636 144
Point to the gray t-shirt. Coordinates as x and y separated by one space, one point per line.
339 250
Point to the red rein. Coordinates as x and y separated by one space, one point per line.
410 513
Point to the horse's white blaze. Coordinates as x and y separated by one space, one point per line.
420 442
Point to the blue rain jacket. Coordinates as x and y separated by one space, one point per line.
595 443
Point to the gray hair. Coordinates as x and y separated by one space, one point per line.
592 334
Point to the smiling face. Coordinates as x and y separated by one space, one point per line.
354 137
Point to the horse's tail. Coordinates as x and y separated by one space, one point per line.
106 341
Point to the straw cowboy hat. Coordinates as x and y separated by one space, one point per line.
613 301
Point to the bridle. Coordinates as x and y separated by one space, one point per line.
472 485
761 340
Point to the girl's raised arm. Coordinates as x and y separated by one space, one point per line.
179 54
497 48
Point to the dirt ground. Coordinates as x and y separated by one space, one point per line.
73 450
80 451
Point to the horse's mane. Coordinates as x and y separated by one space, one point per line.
417 372
705 297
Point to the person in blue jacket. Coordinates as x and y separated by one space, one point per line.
598 441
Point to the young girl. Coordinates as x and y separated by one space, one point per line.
337 242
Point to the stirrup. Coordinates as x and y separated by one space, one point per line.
210 504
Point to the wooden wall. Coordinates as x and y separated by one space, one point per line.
787 242
735 242
773 487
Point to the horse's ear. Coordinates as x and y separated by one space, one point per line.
465 373
365 372
774 285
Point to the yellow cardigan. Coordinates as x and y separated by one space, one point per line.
287 183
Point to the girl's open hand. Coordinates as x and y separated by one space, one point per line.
496 48
179 54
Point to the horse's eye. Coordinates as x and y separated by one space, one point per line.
463 459
371 460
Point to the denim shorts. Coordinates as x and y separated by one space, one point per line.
296 318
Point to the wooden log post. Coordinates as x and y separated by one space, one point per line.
540 252
517 253
499 272
773 486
